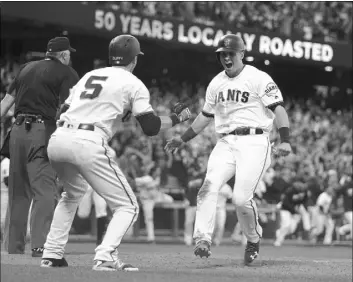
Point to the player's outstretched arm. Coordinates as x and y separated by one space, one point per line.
196 127
282 123
152 124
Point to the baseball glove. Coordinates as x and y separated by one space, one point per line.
182 111
179 107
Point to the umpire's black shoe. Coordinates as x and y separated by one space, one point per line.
251 252
37 252
51 262
203 249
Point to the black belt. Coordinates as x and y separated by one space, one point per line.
83 126
28 118
245 131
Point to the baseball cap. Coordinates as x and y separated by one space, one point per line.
58 44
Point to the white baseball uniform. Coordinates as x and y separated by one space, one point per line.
237 102
101 97
149 197
322 219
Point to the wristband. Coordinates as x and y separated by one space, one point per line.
284 134
188 135
175 119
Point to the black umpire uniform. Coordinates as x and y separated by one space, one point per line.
39 89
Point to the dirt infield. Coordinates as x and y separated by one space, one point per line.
165 262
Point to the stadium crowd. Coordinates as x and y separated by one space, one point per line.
330 21
321 142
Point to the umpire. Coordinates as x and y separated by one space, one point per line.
37 91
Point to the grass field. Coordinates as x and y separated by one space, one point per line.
175 262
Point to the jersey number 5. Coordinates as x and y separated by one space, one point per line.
93 83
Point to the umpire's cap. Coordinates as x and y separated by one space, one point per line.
59 44
123 49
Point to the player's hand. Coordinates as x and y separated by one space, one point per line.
182 111
282 150
173 144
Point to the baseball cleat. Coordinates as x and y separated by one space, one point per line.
100 265
51 262
251 252
203 249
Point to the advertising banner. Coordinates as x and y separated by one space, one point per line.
109 23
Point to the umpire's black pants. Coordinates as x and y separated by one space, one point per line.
31 177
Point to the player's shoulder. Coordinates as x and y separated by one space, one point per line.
217 79
254 72
122 75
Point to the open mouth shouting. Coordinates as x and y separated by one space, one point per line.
228 64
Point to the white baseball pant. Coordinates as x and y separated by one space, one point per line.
347 228
320 222
247 157
74 154
148 207
288 224
305 217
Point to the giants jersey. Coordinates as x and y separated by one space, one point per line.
242 101
103 97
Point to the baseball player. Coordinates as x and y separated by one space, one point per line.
100 207
322 218
244 102
79 148
290 207
149 196
346 190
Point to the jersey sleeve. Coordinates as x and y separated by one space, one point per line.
140 101
268 91
210 102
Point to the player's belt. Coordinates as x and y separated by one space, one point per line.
29 118
246 131
83 126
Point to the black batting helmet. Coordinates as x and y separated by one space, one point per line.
123 49
228 43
